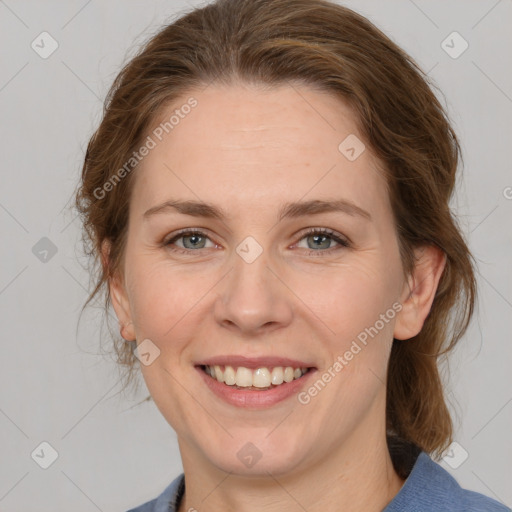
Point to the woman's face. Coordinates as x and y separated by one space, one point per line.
259 287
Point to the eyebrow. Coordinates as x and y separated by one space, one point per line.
287 211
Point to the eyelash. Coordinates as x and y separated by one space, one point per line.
338 238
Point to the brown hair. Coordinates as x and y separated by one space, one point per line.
332 48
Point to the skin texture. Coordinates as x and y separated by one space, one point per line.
248 150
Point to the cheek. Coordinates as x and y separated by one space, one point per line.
345 298
351 297
356 303
160 297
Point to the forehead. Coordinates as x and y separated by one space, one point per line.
250 143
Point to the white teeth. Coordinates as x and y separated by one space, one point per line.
218 374
243 377
278 376
229 376
259 378
288 374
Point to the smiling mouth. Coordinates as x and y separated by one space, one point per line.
259 379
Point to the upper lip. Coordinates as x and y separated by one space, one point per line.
254 362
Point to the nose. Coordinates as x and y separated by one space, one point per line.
253 299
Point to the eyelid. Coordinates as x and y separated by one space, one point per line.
185 231
342 240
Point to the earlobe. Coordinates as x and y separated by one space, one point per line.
419 291
118 296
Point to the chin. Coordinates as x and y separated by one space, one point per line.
258 454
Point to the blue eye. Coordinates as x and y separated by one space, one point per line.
320 239
319 236
192 239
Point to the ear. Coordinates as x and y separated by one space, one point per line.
419 291
118 295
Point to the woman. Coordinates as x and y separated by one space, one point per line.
268 194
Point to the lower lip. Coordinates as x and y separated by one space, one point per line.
252 397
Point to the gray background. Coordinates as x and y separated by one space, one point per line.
56 385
